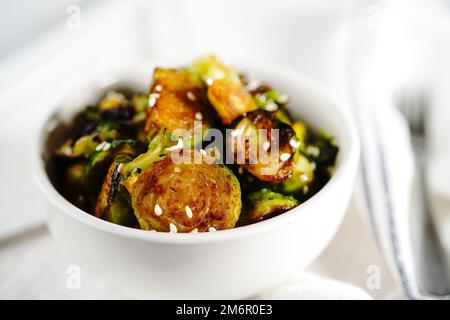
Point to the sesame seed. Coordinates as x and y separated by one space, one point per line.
194 230
100 146
158 210
294 143
173 228
191 96
313 151
241 170
115 95
177 170
212 229
119 167
219 74
285 156
262 98
305 189
271 106
158 88
107 146
198 116
152 99
253 84
209 81
188 212
304 177
266 145
313 166
283 99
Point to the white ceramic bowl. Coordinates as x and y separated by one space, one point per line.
235 263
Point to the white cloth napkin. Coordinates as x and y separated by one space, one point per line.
33 78
406 55
439 173
306 286
118 33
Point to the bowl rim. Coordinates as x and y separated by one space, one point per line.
347 166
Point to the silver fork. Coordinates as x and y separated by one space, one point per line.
432 276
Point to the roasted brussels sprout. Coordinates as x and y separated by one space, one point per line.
266 203
186 197
302 176
176 101
264 146
113 202
225 89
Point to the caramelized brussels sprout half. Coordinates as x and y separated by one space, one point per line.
226 92
186 197
113 202
266 203
175 101
252 135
